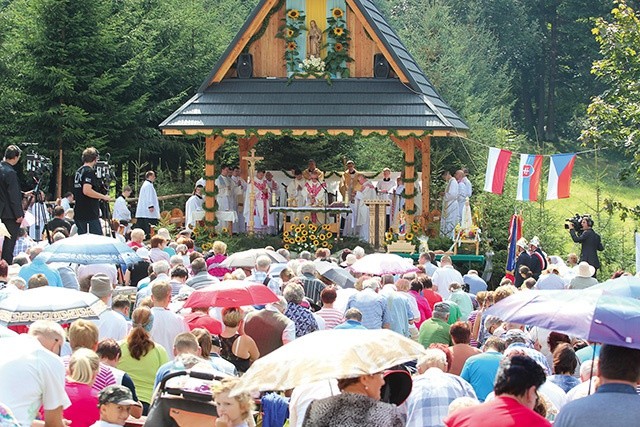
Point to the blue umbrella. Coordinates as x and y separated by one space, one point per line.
623 286
590 314
89 249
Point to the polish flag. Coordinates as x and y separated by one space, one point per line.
560 170
497 165
529 177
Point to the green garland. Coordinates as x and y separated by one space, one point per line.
293 26
337 44
355 133
265 25
329 174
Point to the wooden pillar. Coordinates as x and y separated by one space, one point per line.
425 150
408 146
244 146
212 143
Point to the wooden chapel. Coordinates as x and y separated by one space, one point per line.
371 85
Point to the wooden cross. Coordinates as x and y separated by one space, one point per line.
251 160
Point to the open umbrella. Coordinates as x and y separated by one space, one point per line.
593 315
323 355
623 286
89 249
248 258
61 305
381 264
231 293
335 273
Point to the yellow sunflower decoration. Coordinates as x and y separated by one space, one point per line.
322 237
338 47
415 227
293 14
329 235
285 234
307 218
286 246
325 226
409 236
292 46
325 244
304 232
316 243
337 13
303 226
290 33
338 31
313 227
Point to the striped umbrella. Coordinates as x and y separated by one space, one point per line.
61 305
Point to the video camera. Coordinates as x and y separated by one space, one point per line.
39 168
576 221
103 173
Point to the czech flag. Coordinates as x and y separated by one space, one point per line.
529 177
497 165
559 184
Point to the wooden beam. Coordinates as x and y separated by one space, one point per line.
212 143
244 146
311 132
425 150
408 146
376 39
242 42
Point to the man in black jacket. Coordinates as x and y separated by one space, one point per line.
590 241
11 211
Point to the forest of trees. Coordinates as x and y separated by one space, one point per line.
75 73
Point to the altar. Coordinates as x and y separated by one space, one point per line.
330 213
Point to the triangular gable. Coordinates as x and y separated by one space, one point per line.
386 39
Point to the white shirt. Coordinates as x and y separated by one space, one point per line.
146 199
31 376
121 210
112 325
303 395
166 326
443 277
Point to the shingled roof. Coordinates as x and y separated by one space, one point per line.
353 103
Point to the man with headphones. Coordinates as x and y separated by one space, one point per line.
590 241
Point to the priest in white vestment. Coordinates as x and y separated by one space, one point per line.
384 188
449 216
315 194
296 193
239 189
261 196
148 209
193 211
367 192
464 190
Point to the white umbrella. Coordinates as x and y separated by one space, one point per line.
61 305
335 273
322 355
89 249
248 258
382 264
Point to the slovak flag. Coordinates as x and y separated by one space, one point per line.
497 165
529 177
560 170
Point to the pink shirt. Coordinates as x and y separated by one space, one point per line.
83 411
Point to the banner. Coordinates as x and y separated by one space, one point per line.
529 175
515 233
497 165
560 170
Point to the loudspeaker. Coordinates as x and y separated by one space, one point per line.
381 68
244 66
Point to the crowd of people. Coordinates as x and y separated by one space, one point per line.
490 368
475 370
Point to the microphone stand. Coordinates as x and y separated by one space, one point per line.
326 200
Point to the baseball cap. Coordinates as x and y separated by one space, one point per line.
117 394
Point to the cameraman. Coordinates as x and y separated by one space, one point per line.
590 241
86 193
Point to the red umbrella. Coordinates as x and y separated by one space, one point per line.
231 293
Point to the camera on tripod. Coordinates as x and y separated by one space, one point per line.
103 173
576 221
39 166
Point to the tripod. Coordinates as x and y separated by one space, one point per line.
105 209
40 214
